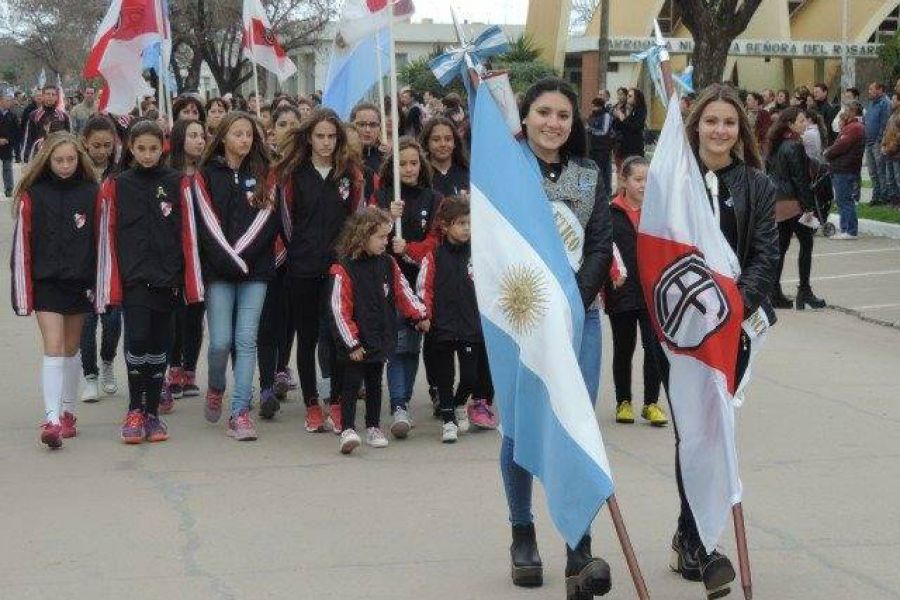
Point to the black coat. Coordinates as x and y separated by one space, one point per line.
447 288
630 296
453 183
631 133
788 167
9 130
420 206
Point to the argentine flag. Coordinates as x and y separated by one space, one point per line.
353 71
532 316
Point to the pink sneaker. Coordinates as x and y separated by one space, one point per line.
480 415
334 421
67 425
175 381
166 402
51 434
315 420
241 428
213 409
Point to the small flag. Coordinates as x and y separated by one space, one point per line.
261 44
360 19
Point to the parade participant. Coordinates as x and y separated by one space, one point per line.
285 119
233 200
447 288
367 119
53 268
216 109
416 208
447 156
147 252
38 123
305 106
188 141
188 107
556 138
624 300
368 289
788 168
9 141
721 138
321 184
98 137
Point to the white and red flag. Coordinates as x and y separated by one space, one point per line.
689 275
129 27
261 44
363 18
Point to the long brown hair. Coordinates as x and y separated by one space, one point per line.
387 167
359 228
776 133
746 148
460 157
297 148
256 163
40 165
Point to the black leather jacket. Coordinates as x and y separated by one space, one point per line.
789 169
754 208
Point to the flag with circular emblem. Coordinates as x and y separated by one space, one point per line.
261 44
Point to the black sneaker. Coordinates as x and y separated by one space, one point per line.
718 573
586 575
684 559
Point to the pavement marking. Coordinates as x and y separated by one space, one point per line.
849 252
875 306
847 276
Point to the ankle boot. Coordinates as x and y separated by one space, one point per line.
805 297
527 568
586 576
779 300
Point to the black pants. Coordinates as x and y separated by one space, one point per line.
353 375
624 335
111 331
148 337
309 299
787 229
273 333
428 361
187 336
472 374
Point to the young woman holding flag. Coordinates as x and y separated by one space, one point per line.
557 139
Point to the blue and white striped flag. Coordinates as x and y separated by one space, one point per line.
353 72
458 61
532 316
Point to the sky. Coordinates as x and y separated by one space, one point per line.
501 12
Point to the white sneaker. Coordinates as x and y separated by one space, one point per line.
462 419
842 235
108 378
89 391
401 425
349 441
375 437
449 432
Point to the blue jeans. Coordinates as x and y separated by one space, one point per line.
232 314
892 173
111 330
403 364
8 183
517 481
846 193
876 164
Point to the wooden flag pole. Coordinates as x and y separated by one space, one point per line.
395 121
740 535
640 585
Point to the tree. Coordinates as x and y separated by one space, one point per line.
889 54
714 24
582 13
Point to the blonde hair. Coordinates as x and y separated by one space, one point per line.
40 166
359 228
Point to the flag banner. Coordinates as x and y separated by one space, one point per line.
353 72
261 44
532 316
360 19
689 277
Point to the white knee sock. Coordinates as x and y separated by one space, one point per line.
70 382
52 375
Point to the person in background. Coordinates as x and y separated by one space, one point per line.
367 119
760 120
825 108
9 142
216 109
601 139
630 122
890 151
84 110
815 136
875 119
768 99
782 100
38 123
306 106
845 157
412 116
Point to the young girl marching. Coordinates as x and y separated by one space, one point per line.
419 236
100 140
321 185
239 224
624 300
368 288
447 288
53 266
447 156
147 253
188 141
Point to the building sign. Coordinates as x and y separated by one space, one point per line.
761 48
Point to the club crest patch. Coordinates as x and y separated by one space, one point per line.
165 208
161 192
80 220
344 188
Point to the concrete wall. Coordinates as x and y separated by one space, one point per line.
548 26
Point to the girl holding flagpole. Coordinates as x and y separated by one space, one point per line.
556 139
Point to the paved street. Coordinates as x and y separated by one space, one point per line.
203 517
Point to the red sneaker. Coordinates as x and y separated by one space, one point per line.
175 381
67 423
51 434
213 409
154 429
334 417
133 427
315 422
166 402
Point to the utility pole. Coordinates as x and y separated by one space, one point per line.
604 45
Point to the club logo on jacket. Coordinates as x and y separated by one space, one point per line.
80 220
470 270
165 208
690 305
387 289
161 193
344 188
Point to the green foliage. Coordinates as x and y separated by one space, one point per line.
419 77
522 49
889 54
10 74
523 74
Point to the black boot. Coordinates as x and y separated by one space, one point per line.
684 558
586 576
779 300
805 297
694 564
527 568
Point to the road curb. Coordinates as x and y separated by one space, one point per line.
871 228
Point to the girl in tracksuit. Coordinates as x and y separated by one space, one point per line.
447 287
239 223
418 236
321 184
53 265
368 289
147 257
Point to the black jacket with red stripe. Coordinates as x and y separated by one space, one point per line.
365 295
247 233
447 288
54 237
317 208
420 230
146 235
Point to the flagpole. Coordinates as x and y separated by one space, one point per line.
640 585
378 49
255 74
395 120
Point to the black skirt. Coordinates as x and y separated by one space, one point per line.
63 297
